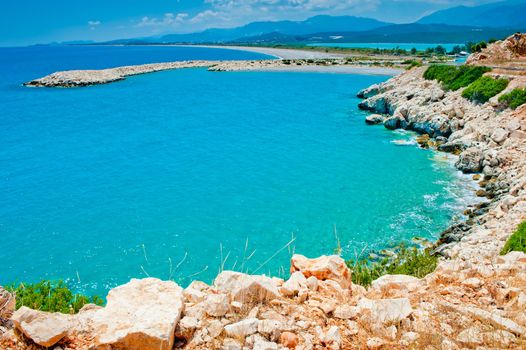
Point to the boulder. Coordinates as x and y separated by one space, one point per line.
45 329
470 160
323 268
374 119
140 315
247 288
386 311
499 135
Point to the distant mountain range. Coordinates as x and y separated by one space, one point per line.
458 24
509 14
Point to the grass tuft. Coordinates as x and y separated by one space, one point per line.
517 241
408 261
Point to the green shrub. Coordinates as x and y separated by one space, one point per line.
454 77
517 241
408 261
50 296
412 63
514 98
484 88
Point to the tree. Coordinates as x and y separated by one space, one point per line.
440 50
413 51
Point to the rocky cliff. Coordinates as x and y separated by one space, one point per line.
474 299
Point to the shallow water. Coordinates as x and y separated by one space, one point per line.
174 174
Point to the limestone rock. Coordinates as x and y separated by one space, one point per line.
293 285
45 329
247 288
499 135
386 311
242 328
289 340
392 284
7 304
140 315
323 268
470 161
374 119
216 305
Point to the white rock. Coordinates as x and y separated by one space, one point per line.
323 268
246 288
242 328
45 329
216 305
293 285
386 311
470 336
345 312
393 283
140 315
268 327
499 135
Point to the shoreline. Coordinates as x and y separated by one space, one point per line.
475 298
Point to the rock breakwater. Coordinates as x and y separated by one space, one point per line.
81 78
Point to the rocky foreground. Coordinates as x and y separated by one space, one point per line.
475 299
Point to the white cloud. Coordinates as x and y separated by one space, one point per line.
94 24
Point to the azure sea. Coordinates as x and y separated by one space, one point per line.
179 174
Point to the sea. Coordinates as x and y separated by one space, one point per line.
182 174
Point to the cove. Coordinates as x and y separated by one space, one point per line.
181 173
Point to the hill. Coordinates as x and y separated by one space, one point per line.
500 14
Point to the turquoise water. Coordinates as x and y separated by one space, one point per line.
176 173
390 46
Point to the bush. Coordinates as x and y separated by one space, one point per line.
453 77
484 88
412 63
514 98
408 261
50 296
517 241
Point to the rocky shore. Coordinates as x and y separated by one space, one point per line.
475 299
80 78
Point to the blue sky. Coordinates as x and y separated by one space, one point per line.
24 22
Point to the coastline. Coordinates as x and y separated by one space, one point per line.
474 298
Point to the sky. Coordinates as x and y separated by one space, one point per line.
26 22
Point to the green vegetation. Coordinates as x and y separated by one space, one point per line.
453 77
50 296
478 47
484 88
514 98
517 241
408 261
412 63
